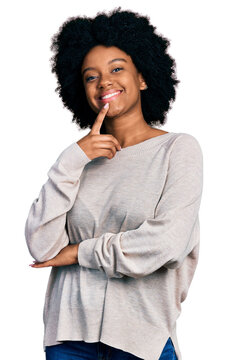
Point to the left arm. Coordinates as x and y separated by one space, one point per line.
67 256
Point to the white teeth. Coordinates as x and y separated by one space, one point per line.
110 95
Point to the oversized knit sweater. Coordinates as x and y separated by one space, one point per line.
136 217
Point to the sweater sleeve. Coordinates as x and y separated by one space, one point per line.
164 239
45 227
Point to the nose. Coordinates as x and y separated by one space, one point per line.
104 81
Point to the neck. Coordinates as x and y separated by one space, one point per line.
128 129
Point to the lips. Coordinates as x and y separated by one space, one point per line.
110 97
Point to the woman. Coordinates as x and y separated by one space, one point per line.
117 219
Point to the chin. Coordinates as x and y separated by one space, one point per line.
114 110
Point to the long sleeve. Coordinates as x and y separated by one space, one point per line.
169 235
45 228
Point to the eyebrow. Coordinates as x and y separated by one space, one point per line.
111 61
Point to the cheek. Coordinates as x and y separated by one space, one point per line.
89 96
92 101
90 93
130 85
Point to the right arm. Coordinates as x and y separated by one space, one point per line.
45 228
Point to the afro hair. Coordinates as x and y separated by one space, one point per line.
131 33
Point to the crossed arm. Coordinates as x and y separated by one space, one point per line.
67 256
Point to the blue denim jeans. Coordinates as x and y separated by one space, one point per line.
80 350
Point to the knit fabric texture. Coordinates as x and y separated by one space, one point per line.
136 217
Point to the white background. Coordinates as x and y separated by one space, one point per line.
35 128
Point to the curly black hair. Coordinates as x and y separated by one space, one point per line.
131 33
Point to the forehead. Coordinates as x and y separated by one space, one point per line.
102 55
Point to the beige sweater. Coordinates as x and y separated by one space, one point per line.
136 217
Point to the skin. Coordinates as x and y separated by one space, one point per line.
123 118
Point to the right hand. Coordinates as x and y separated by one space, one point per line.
94 144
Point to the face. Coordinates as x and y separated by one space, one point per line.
109 75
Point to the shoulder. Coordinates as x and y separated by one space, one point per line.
185 143
185 152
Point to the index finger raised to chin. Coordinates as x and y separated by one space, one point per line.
99 119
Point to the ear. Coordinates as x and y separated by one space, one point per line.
142 82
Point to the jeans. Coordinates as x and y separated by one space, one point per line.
80 350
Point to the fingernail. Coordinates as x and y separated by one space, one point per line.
106 105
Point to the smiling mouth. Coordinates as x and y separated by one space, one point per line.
110 97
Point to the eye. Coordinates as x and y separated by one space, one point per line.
87 79
117 69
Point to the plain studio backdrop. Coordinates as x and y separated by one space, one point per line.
35 128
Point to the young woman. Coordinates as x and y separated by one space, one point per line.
118 218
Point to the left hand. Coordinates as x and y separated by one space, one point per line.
67 256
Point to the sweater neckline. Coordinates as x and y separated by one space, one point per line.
143 145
